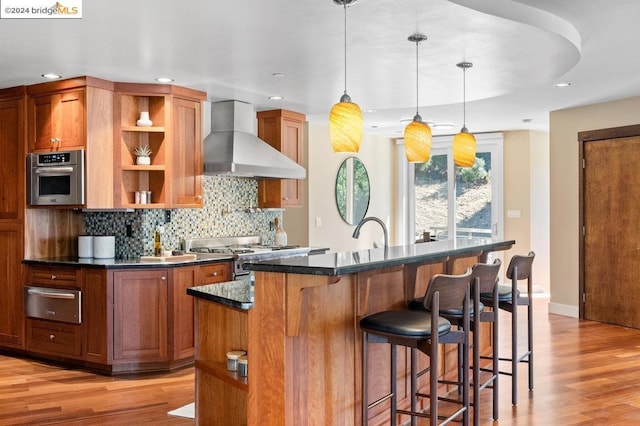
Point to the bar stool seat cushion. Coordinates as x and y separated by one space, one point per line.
413 324
417 304
504 294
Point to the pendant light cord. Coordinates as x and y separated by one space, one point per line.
345 46
417 79
464 97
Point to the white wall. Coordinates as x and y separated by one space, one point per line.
564 201
377 155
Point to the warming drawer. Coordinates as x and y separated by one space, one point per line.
53 304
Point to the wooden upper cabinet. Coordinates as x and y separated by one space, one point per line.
175 175
283 130
57 121
187 164
12 164
76 113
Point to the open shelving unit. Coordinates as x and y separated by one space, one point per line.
136 177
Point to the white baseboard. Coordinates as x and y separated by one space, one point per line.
566 310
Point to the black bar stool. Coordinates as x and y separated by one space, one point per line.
483 279
423 331
509 298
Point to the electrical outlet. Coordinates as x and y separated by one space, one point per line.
129 230
167 216
318 222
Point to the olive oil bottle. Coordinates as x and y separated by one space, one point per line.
157 244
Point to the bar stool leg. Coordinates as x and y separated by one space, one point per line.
365 399
530 332
514 340
414 385
394 398
496 360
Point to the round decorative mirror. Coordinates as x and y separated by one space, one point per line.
352 190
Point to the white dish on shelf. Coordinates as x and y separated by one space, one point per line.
144 123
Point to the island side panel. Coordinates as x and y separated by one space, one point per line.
308 378
221 396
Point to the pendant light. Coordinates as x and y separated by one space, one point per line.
417 134
464 143
345 119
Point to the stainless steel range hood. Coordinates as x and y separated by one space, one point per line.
233 149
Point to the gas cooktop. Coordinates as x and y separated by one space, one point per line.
240 247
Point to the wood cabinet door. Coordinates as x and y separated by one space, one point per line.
96 316
282 130
140 315
12 164
187 161
292 148
57 121
182 310
11 287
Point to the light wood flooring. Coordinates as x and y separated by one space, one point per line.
586 373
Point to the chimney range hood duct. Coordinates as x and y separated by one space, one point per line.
232 149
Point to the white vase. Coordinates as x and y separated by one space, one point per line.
143 161
144 119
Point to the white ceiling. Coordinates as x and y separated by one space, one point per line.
232 49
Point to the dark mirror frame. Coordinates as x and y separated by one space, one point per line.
361 190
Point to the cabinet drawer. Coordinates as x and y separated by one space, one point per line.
216 273
53 337
56 277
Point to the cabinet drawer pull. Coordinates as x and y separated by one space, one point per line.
52 294
53 277
163 278
52 337
215 274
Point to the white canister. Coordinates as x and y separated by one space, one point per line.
85 246
104 247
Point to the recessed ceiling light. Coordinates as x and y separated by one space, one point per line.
278 74
275 98
444 126
375 126
164 79
527 120
369 110
52 76
562 85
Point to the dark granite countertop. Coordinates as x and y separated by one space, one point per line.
350 262
236 294
135 263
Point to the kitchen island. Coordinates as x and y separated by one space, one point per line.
302 336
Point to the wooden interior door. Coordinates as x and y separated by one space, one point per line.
611 215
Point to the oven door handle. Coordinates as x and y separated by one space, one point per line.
52 294
53 170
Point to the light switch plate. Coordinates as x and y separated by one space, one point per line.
318 222
513 213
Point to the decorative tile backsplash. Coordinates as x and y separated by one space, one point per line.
229 210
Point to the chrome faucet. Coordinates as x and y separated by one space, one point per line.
356 232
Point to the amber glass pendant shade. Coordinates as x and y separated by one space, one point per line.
345 127
417 142
464 149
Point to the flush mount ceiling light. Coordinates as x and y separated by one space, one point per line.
51 76
164 80
562 85
276 98
464 143
417 134
345 119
